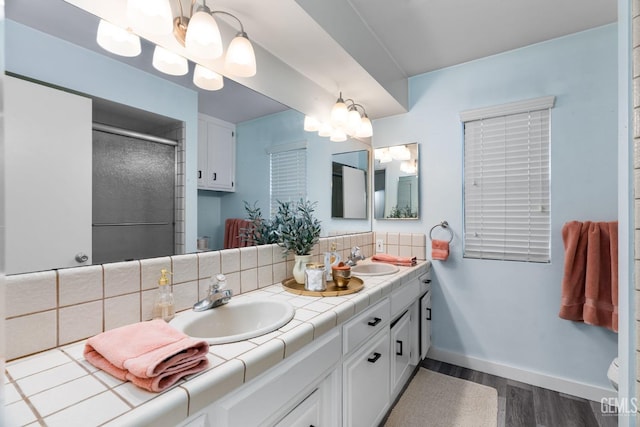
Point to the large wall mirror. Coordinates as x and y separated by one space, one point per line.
349 177
396 192
128 93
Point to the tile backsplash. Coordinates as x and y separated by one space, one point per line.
57 307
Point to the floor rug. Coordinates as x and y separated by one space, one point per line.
436 400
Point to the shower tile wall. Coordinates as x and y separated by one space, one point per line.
178 133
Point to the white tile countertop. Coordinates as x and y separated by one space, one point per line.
59 388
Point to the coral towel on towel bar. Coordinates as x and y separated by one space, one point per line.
590 282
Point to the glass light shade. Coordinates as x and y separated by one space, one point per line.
207 79
117 40
150 16
169 63
400 152
365 130
240 59
353 122
325 129
203 36
311 124
408 167
339 114
338 135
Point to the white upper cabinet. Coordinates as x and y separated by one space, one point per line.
216 154
48 177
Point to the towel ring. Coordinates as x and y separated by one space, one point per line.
444 225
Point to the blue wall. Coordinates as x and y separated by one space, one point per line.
42 57
507 312
253 139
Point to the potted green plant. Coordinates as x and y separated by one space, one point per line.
296 230
260 230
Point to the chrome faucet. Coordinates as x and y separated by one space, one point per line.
355 256
217 295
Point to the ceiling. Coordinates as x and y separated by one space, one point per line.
309 50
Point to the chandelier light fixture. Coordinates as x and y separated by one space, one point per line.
347 119
198 33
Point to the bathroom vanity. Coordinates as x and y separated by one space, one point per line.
367 360
340 361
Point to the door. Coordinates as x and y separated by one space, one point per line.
48 177
133 198
221 156
425 324
400 349
366 377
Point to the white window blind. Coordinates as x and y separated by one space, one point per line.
288 176
506 183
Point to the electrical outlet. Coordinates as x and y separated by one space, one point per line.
379 246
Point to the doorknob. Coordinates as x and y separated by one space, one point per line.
82 257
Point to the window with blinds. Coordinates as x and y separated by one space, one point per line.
288 181
507 181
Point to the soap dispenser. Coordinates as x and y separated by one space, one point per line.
164 307
331 259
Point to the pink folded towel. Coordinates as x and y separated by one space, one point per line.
439 250
395 260
153 355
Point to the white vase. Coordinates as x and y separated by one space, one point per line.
299 267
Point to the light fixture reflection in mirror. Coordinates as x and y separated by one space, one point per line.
349 177
396 194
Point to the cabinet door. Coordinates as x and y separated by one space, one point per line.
48 177
366 383
400 349
221 157
203 150
425 324
306 414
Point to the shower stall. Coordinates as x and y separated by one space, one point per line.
133 195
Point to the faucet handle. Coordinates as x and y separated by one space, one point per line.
219 283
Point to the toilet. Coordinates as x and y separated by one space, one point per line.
612 373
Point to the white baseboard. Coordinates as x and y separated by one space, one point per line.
562 385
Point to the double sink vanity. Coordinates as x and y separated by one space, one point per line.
276 359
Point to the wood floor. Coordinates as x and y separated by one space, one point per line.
524 405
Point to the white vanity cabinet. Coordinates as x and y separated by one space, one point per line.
216 154
348 377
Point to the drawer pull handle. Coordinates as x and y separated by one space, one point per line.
374 322
399 352
375 358
429 315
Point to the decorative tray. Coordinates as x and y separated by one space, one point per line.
355 285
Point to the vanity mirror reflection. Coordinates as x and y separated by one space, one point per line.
81 67
349 173
396 183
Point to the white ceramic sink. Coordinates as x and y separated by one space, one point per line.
373 269
235 321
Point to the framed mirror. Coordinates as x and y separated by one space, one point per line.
349 175
396 182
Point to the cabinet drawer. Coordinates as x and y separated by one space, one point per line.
401 298
365 324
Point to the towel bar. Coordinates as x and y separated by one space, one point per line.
444 225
